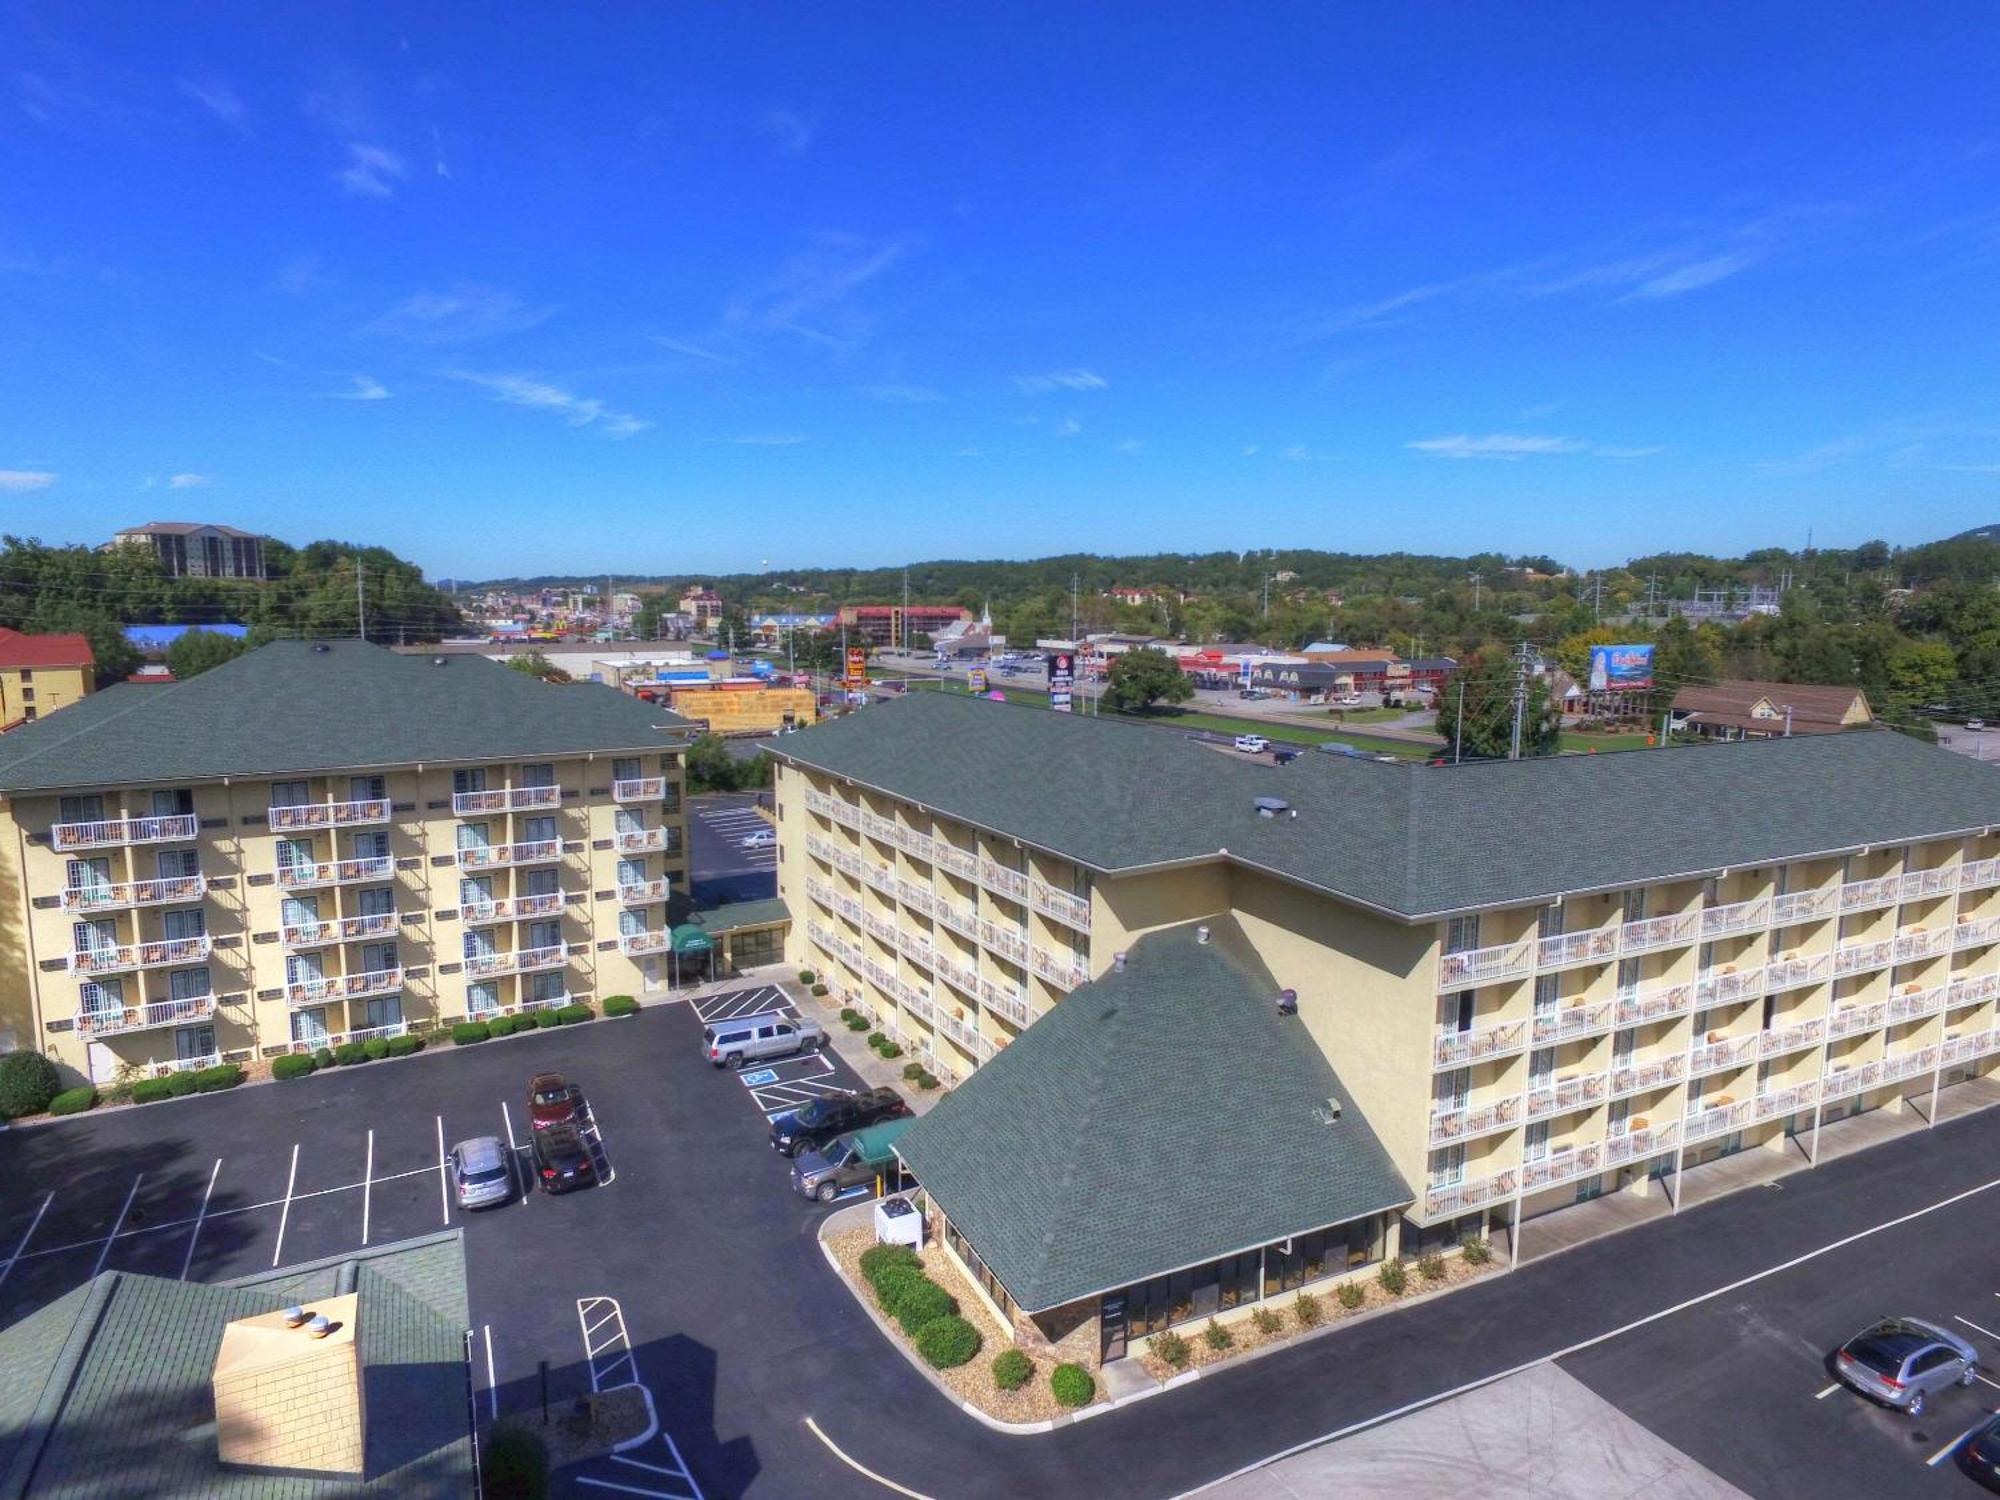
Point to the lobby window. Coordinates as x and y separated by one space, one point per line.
1290 1264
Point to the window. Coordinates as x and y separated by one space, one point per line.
87 874
88 809
175 802
1447 1165
474 836
304 968
378 958
192 1042
1635 905
184 924
299 911
1546 986
290 793
1628 976
178 864
102 997
368 788
309 1026
482 999
385 1010
539 882
1289 1265
189 984
628 820
93 937
1455 1012
540 774
627 768
1541 1066
470 779
546 986
1452 1089
1550 922
1461 934
1537 1144
538 830
630 872
376 901
479 943
371 845
475 890
631 923
544 934
295 854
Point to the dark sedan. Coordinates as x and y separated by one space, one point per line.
563 1160
810 1127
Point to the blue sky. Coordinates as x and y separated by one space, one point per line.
670 289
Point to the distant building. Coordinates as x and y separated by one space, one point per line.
42 673
702 604
197 549
1762 710
895 626
153 640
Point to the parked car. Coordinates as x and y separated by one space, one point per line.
562 1160
551 1101
1252 744
810 1127
1975 723
755 1038
848 1160
763 838
1902 1362
1980 1455
480 1173
1284 757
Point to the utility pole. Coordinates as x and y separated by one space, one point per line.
1788 721
1520 698
360 601
1074 584
1475 593
1458 735
1267 596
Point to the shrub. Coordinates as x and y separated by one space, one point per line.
1216 1336
947 1342
879 1258
912 1071
890 1051
848 1013
1475 1250
895 1283
1431 1267
347 1054
375 1048
877 1038
180 1085
620 1005
927 1080
28 1081
403 1046
516 1467
1171 1348
1351 1294
323 1058
546 1018
820 991
858 1022
465 1033
291 1065
74 1101
575 1011
1071 1385
508 1025
805 976
1308 1310
214 1080
153 1090
1012 1369
1266 1321
1393 1277
922 1303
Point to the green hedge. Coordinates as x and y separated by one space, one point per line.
516 1467
323 1058
180 1085
508 1025
945 1343
376 1048
620 1005
464 1033
1012 1369
879 1258
74 1101
347 1054
1071 1385
570 1014
153 1090
805 976
291 1065
546 1018
897 1282
922 1304
28 1081
214 1080
403 1046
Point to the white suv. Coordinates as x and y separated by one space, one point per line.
1252 744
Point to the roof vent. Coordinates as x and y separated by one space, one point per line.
1270 807
1201 934
1327 1111
1288 1002
438 661
320 648
1118 963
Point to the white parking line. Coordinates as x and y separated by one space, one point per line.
367 1186
207 1193
514 1156
33 1224
1952 1447
492 1389
103 1254
1976 1328
285 1216
1822 1395
444 1198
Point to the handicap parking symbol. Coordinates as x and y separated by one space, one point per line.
761 1077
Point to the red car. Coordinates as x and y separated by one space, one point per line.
551 1101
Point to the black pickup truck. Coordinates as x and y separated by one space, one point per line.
812 1125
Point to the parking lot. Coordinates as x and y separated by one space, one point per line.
721 870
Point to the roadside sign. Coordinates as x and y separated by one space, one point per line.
976 679
1062 677
857 666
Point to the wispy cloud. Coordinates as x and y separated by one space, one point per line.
186 481
811 294
365 388
1128 445
465 314
302 274
1061 380
1695 275
764 440
692 351
540 395
371 171
1932 441
1068 427
23 481
792 133
219 99
1519 445
906 395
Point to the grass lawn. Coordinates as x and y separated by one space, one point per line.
1575 743
1374 715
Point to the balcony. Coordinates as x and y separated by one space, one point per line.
638 944
916 948
1592 946
1453 1049
915 999
837 808
308 874
1657 1073
328 814
369 982
1861 958
848 907
1728 985
1562 1095
315 934
1468 1120
1450 1199
1640 1143
1578 1019
178 890
516 961
1840 1082
506 799
916 897
1902 1065
113 832
1973 991
1782 1039
1923 885
959 919
965 1034
1958 1049
1979 874
1564 1164
645 841
1870 895
1917 944
1718 1118
112 960
879 926
880 877
1720 1053
1657 1003
1009 1000
639 789
1474 966
1003 881
953 858
1008 942
1975 932
1913 1002
1650 934
1852 1020
1786 1101
1071 911
878 827
1741 916
1804 906
1060 970
114 1020
1794 971
646 892
508 856
957 974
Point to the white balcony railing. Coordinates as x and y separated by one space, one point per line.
1729 985
516 961
1918 944
1580 1018
1838 1083
1958 1049
1656 1003
637 944
880 877
1782 1039
501 799
1456 1124
1804 906
1561 1095
1793 971
1476 966
320 934
1973 991
1979 874
1869 895
111 959
1563 1164
110 832
367 983
957 860
1003 881
1722 1052
639 789
308 874
1717 1118
1740 916
1637 1078
328 814
1060 970
916 897
1593 945
1786 1101
517 908
1973 932
1640 1142
1913 1002
1900 1065
1860 958
114 1020
957 974
1453 1049
1649 934
172 891
1071 911
960 919
1447 1200
1852 1020
1009 942
1922 885
506 856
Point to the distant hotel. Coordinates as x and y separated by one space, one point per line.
196 549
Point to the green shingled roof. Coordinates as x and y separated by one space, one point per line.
1414 841
1158 1118
108 1390
305 706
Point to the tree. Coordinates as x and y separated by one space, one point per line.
534 664
199 650
1139 679
1487 682
711 768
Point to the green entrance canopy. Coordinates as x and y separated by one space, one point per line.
690 938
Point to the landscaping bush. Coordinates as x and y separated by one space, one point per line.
895 1283
153 1090
1071 1385
947 1342
1216 1336
347 1054
375 1048
927 1080
546 1018
820 991
465 1033
1308 1310
879 1258
877 1038
323 1058
508 1025
890 1051
1431 1267
858 1022
848 1013
570 1014
922 1303
74 1101
1171 1348
620 1005
291 1065
805 976
1012 1369
28 1081
1351 1294
1475 1250
1393 1277
214 1080
180 1085
403 1046
516 1467
912 1071
1267 1321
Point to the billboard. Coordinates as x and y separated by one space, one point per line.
1062 677
857 666
1620 668
976 679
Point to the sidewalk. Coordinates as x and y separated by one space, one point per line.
852 1046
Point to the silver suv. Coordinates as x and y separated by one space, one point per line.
1902 1362
747 1039
481 1173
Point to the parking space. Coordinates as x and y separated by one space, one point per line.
754 1001
720 868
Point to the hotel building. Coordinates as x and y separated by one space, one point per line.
1523 985
325 841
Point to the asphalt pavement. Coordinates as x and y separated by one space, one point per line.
720 869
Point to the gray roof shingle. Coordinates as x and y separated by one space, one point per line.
1413 841
1115 1139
